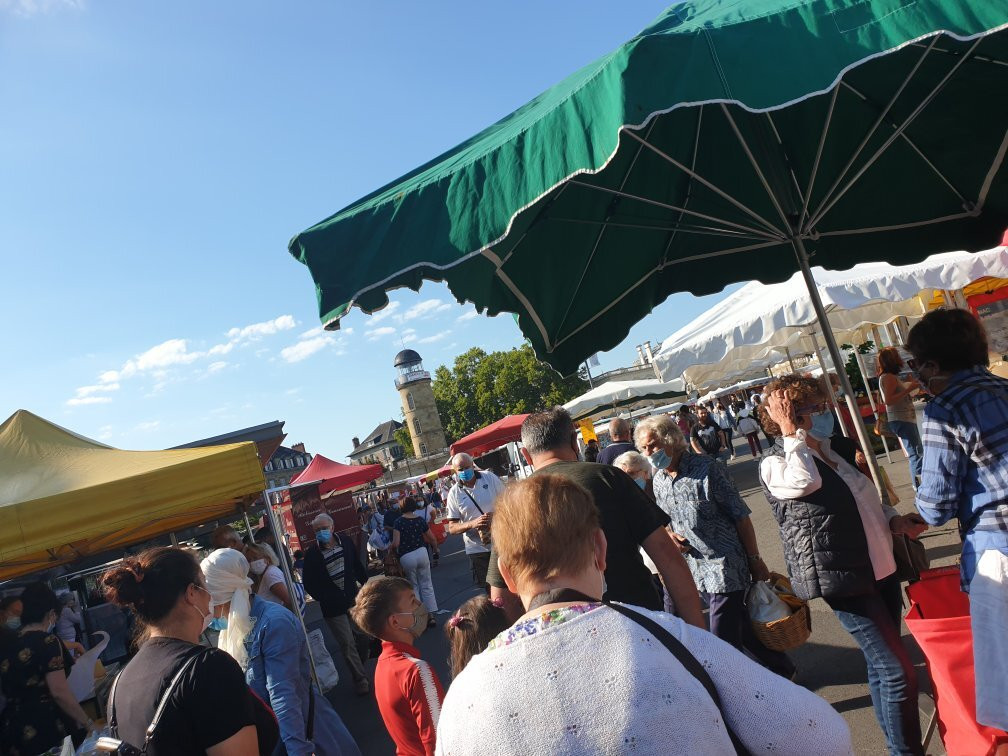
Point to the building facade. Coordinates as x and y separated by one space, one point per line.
419 407
379 446
286 463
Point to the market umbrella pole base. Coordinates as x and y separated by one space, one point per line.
834 352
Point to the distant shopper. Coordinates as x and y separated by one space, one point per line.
965 475
10 612
332 573
619 432
902 418
469 509
724 419
705 437
410 539
268 581
41 710
213 710
226 537
68 626
591 451
749 428
407 689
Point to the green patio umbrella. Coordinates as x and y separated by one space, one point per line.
728 141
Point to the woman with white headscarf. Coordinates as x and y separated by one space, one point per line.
274 655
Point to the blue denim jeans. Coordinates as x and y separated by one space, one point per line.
873 620
909 434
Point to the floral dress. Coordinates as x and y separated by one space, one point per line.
31 723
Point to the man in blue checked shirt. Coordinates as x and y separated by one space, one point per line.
965 475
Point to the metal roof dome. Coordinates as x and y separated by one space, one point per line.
406 357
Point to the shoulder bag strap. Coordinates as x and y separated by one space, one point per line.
113 725
472 499
163 704
682 654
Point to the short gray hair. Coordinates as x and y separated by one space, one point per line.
460 458
632 462
618 426
322 519
545 431
662 426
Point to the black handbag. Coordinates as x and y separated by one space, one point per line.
911 557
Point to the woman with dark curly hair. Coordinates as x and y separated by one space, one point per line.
898 398
837 540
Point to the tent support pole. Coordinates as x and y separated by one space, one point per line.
248 524
790 361
871 399
829 384
289 580
834 350
173 539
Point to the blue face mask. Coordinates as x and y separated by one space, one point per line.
219 624
323 536
641 482
660 460
822 425
466 475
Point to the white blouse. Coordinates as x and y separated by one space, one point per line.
599 683
796 475
271 577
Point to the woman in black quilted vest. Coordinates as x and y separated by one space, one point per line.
838 543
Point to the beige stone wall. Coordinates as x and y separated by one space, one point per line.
422 409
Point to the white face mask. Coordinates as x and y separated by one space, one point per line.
257 566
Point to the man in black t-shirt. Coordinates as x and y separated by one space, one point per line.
619 432
705 438
629 519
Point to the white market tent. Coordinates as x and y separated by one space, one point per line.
759 321
615 394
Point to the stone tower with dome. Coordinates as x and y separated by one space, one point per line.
417 397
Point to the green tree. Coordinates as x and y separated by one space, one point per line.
482 387
852 369
402 435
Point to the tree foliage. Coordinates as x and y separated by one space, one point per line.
482 387
402 435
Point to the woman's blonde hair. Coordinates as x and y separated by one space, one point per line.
632 462
797 388
544 527
664 427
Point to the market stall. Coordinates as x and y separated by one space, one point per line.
616 394
504 431
64 496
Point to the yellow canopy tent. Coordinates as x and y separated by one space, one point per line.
63 496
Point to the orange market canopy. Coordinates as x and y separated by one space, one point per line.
64 496
493 436
335 476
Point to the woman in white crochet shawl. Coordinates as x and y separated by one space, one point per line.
226 572
577 676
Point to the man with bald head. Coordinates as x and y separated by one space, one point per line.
468 511
619 432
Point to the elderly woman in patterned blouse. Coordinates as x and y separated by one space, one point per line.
576 676
712 526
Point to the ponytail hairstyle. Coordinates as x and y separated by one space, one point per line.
477 622
152 582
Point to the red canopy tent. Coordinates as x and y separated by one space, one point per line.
493 436
334 476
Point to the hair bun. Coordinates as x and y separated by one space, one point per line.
122 584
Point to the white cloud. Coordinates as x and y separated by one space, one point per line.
109 376
216 367
89 390
378 333
435 337
28 8
387 312
317 331
105 433
304 349
148 426
425 309
221 348
77 401
266 328
467 316
166 354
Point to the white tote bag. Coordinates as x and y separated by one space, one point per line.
328 677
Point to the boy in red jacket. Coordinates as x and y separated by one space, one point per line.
406 687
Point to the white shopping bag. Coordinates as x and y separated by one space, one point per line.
82 679
328 677
765 605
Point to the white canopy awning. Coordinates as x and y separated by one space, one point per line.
759 321
615 394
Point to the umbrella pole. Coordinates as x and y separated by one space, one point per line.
829 384
790 362
834 350
289 580
248 525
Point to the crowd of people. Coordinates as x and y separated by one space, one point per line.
588 632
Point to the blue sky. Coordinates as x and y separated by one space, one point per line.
157 157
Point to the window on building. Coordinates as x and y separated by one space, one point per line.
290 463
269 466
423 449
409 400
300 461
416 425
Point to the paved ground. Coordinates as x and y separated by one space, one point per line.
829 664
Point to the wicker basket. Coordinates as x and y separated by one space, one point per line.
790 632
